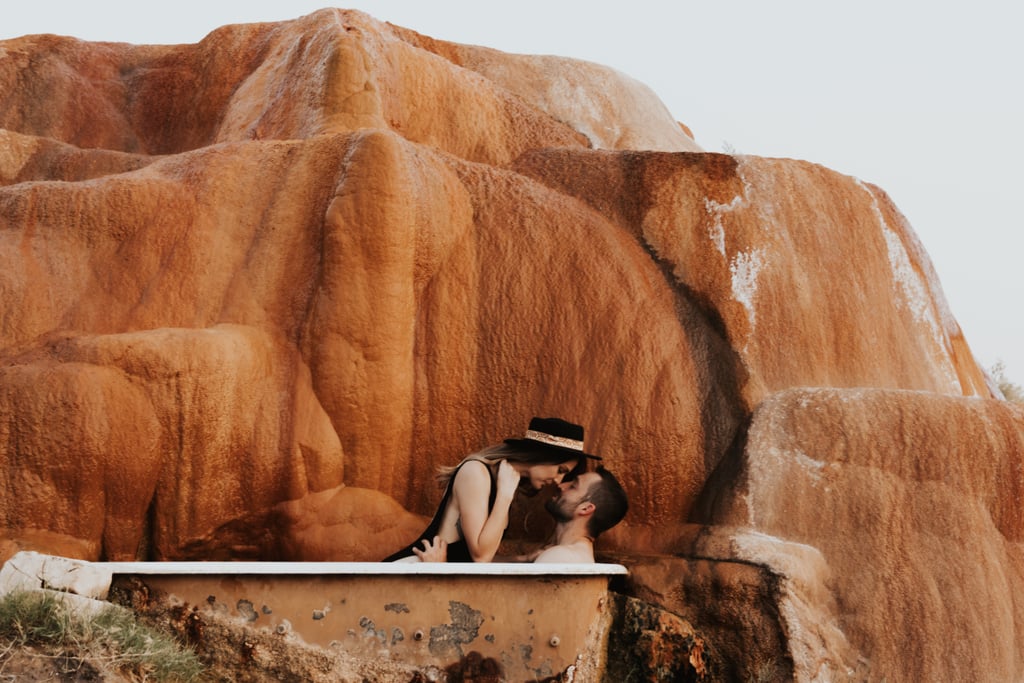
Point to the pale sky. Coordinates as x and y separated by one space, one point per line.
924 99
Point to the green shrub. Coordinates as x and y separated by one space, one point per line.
112 637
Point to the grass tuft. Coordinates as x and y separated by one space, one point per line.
33 618
112 637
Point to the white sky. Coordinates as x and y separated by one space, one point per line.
923 98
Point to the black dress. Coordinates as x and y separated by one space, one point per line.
458 551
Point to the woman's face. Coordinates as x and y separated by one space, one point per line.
542 475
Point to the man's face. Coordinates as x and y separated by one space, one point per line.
571 494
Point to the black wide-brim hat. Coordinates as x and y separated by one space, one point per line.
554 435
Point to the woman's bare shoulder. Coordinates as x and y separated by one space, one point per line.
471 478
472 473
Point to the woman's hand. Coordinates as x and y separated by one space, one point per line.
508 480
438 552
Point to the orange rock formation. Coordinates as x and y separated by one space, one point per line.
256 289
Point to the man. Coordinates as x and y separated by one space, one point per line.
583 509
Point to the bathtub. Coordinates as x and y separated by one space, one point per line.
536 620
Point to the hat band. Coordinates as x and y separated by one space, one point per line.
552 440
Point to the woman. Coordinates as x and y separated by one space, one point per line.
473 513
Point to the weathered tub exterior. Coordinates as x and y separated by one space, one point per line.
535 620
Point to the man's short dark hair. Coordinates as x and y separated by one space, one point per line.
610 504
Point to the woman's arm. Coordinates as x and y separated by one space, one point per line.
471 490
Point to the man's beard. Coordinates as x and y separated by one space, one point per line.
554 507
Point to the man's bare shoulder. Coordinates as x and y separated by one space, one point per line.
566 554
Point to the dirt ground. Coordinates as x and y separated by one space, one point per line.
28 664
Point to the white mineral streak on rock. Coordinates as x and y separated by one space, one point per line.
745 267
716 231
812 467
920 297
716 209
